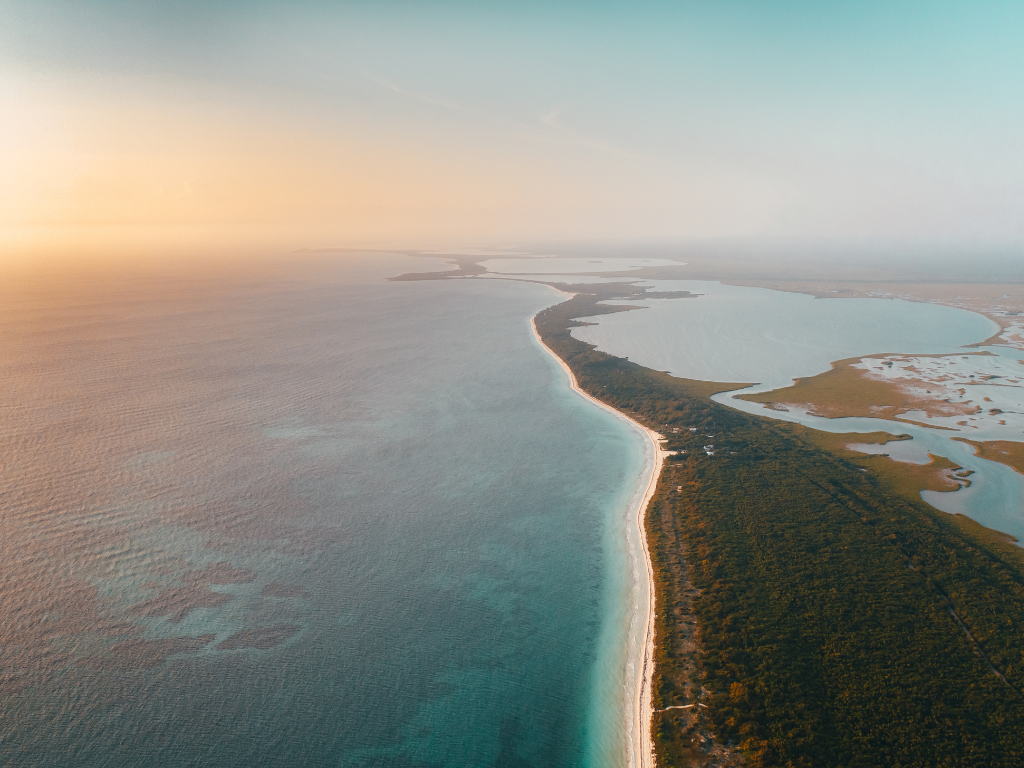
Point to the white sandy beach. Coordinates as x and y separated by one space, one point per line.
641 747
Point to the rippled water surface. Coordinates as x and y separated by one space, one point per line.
308 518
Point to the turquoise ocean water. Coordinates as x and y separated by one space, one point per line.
305 518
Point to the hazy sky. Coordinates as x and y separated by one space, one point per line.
187 124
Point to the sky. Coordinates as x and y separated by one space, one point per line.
162 126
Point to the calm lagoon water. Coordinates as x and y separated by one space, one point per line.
306 519
750 335
732 333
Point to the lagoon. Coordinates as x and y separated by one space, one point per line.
741 334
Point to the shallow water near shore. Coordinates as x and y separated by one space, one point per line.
322 520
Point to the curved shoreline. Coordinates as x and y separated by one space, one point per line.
641 751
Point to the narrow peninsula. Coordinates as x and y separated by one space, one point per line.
809 608
809 611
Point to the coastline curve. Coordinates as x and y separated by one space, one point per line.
641 745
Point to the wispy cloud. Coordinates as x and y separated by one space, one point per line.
553 120
421 98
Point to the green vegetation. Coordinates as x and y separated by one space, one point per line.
841 620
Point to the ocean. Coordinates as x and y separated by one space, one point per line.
297 515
